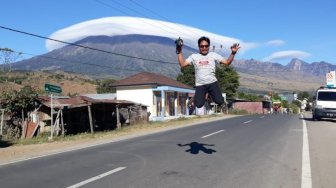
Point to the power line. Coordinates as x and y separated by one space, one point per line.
75 62
135 70
81 46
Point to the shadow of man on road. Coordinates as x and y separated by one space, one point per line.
196 147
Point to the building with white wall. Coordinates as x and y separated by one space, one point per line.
163 96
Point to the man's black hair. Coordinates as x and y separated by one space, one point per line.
202 39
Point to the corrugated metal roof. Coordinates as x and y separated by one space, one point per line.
79 101
102 96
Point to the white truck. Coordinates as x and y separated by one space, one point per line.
324 103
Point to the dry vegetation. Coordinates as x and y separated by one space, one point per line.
71 83
262 83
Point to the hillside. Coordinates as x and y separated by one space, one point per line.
70 83
260 84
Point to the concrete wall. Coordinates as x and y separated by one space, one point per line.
250 107
143 95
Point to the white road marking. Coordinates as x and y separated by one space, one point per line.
306 178
262 116
212 133
247 121
96 177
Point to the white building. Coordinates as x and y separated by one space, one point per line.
164 96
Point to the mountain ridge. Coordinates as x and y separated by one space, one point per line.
125 55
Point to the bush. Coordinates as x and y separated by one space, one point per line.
294 108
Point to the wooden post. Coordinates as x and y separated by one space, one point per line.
23 125
24 129
2 117
51 117
90 119
129 115
63 131
56 124
118 117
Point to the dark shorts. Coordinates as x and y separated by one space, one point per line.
213 90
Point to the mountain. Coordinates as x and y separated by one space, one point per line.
315 68
121 56
118 57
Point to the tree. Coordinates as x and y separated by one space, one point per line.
275 96
188 76
250 97
7 57
297 103
285 104
228 80
104 86
18 104
303 95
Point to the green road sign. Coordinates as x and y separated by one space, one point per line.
52 88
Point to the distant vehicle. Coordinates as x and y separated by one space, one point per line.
324 103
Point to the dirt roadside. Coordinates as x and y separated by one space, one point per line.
17 153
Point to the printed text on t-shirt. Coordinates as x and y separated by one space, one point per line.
204 62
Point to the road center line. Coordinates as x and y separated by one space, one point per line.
306 178
247 121
96 177
212 133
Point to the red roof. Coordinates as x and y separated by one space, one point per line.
146 78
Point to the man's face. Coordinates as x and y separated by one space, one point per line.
204 47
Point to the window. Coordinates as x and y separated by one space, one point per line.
326 96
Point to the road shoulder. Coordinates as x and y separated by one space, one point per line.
17 153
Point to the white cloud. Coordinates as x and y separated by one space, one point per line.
111 26
275 43
282 55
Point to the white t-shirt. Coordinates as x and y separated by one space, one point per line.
205 67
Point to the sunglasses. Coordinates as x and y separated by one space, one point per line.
203 46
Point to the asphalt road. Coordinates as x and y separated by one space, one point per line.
248 151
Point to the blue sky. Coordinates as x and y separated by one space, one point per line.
281 30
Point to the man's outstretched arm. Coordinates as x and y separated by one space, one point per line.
181 60
234 49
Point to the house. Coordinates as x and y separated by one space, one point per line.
165 97
84 114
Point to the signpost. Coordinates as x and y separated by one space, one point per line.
52 89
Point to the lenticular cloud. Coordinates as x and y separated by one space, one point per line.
286 55
112 26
